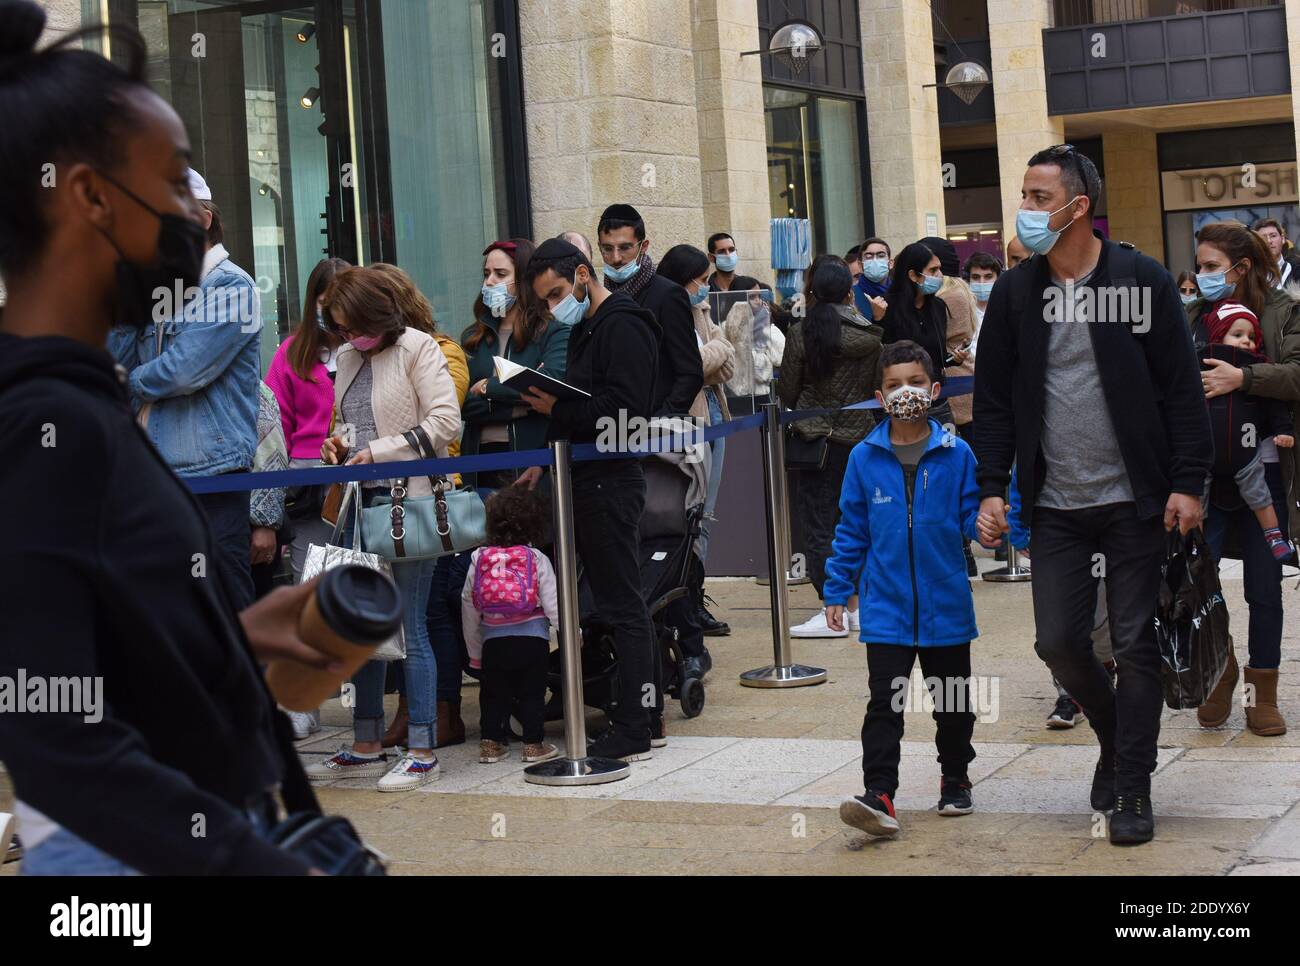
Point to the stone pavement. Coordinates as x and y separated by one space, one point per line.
752 785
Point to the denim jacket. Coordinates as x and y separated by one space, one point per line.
201 389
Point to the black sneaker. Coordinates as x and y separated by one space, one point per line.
955 797
1103 786
872 813
1065 713
615 744
1133 823
710 626
1000 552
658 733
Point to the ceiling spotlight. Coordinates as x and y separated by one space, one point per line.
309 98
306 33
264 190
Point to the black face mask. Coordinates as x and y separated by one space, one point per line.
181 246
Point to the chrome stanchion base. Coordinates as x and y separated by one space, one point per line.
1007 575
789 581
791 676
577 771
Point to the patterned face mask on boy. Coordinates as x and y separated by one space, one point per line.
908 402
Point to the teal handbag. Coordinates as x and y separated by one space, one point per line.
400 528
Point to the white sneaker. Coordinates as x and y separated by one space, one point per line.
853 620
305 723
816 626
345 764
409 772
8 823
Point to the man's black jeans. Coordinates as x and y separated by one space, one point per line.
1068 549
607 509
819 509
232 536
889 669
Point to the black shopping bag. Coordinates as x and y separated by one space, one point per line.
1191 622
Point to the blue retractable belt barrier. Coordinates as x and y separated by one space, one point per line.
667 443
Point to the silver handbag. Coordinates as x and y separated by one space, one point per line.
321 558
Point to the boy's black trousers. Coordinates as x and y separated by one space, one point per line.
889 669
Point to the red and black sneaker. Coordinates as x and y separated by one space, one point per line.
872 813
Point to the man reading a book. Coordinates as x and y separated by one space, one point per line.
613 355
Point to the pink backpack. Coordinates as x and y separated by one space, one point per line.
505 584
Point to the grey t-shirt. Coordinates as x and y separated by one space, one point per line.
909 454
358 412
1082 456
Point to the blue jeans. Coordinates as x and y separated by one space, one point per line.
1262 573
420 671
65 854
717 452
446 631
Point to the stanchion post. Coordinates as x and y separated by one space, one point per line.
782 673
576 767
1012 573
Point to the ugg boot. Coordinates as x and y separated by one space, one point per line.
396 733
451 729
1218 706
1262 714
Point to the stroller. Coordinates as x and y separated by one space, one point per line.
674 507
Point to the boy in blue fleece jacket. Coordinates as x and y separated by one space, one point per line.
908 502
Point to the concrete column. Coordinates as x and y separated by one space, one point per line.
1019 95
609 93
1133 190
1293 51
733 135
902 119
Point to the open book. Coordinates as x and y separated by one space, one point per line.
521 378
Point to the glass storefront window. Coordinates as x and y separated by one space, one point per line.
369 130
814 164
1181 228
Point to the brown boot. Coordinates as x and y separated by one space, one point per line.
1262 714
1214 712
451 729
396 733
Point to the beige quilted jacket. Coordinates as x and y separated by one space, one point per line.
412 386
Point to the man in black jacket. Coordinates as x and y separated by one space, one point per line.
620 235
613 352
1088 382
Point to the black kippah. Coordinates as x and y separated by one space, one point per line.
620 213
556 248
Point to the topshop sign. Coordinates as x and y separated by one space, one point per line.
1231 186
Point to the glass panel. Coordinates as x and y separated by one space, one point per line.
814 167
444 147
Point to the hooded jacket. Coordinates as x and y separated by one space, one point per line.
613 354
107 574
851 380
914 589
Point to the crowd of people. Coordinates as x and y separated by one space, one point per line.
1078 441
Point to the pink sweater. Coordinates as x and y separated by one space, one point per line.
305 407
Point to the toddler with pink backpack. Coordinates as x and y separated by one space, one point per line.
508 607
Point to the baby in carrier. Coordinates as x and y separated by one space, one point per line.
508 607
1245 426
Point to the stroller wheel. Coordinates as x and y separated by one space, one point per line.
692 697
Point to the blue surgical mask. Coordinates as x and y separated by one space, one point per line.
621 274
931 284
1215 286
700 296
876 269
727 262
981 290
1032 230
1188 299
570 311
497 298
